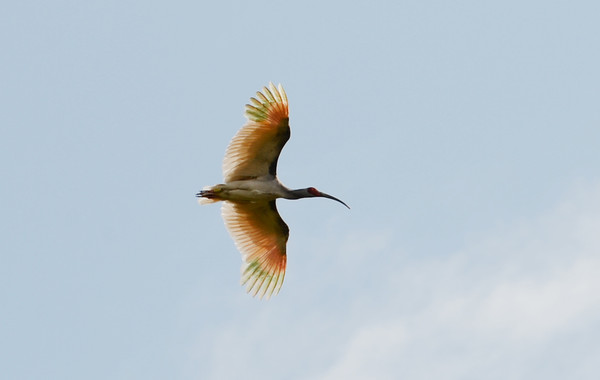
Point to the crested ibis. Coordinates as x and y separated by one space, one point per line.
251 188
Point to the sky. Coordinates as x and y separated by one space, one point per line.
464 136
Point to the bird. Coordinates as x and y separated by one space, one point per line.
251 187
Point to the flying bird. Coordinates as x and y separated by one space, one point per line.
251 188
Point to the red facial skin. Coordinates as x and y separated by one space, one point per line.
314 191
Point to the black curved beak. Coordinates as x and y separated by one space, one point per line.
332 197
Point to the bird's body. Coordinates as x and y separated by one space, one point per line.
265 189
251 188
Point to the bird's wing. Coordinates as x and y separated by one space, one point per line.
254 150
261 236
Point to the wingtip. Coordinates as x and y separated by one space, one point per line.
269 103
262 283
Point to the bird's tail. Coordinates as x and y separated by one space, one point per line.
207 195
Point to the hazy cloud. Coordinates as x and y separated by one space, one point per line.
504 307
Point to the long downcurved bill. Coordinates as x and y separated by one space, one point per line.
332 197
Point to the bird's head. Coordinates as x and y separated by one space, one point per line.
316 193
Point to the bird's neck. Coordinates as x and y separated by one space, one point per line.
297 194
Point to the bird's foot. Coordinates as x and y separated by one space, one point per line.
210 192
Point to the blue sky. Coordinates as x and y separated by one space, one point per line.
464 135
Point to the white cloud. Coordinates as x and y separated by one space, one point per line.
500 308
528 308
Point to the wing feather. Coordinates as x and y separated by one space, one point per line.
254 150
261 236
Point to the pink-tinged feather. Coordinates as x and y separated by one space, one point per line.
260 235
254 150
